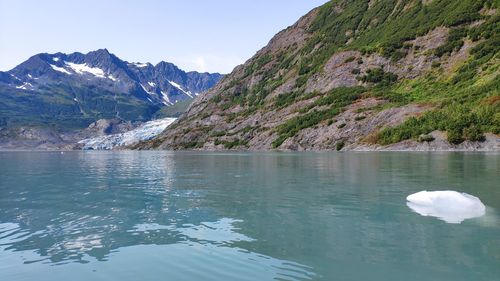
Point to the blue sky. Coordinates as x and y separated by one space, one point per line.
202 35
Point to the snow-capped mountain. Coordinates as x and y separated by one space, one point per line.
77 89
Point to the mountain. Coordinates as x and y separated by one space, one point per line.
359 74
74 90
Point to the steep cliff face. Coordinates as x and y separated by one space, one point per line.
359 75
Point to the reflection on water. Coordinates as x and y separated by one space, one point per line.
185 256
239 216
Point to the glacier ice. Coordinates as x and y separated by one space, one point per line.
447 205
144 132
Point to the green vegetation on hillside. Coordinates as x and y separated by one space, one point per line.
378 75
56 105
461 92
384 27
174 110
472 104
466 105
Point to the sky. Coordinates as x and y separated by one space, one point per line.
200 35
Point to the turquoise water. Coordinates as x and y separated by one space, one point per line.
242 216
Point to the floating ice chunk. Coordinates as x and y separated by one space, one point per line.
449 206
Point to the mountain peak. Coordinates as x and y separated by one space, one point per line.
100 56
166 65
100 52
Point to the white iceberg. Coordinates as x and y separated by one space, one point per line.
449 206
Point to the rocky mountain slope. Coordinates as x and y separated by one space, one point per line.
72 91
359 74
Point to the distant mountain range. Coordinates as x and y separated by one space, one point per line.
74 90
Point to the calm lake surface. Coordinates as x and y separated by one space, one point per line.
242 216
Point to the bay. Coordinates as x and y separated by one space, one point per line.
156 215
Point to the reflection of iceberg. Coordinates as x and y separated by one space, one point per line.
450 206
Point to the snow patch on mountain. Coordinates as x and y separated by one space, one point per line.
147 91
81 68
25 86
144 132
138 64
180 88
60 69
166 100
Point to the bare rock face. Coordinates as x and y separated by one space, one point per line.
435 38
337 73
284 87
104 127
352 127
30 138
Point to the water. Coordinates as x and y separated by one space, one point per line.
238 216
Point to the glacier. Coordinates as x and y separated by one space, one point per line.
144 132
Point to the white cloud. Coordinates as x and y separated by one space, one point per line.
201 64
208 63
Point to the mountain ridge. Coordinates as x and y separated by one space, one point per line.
74 90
